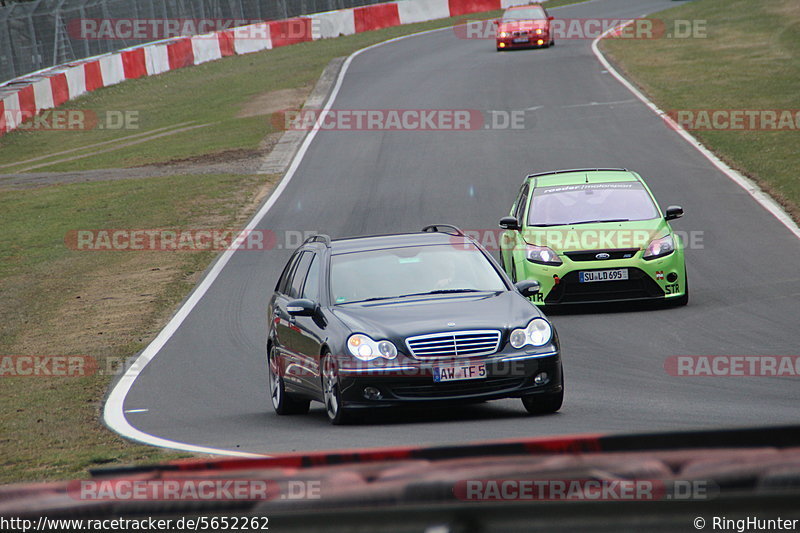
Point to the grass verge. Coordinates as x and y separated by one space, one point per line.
102 305
748 60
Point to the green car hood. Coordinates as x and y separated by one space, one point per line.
598 236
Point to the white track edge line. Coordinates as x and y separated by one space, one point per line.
113 413
752 188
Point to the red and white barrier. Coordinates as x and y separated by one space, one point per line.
411 12
290 31
465 7
180 53
376 17
205 48
27 103
134 63
156 59
23 97
76 81
9 119
42 94
111 69
226 43
93 75
252 38
59 88
333 24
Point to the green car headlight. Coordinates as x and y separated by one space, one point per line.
542 255
659 247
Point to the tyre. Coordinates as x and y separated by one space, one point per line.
338 414
544 404
282 402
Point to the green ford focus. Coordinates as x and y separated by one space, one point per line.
593 235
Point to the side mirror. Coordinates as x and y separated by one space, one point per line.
301 307
551 17
496 22
510 223
528 287
673 212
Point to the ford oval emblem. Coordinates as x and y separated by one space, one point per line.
602 255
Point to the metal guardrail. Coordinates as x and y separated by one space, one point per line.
43 33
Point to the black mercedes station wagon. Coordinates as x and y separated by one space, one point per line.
405 319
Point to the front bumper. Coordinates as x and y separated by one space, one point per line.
534 40
508 376
659 279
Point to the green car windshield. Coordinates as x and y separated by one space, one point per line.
413 270
590 202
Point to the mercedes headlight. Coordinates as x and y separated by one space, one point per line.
538 332
366 349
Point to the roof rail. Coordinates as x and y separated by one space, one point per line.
319 238
575 170
434 228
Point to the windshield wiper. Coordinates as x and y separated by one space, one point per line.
444 291
373 299
438 291
598 221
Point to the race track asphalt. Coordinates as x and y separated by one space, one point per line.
208 385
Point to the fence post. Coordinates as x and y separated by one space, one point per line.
7 46
86 50
36 55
